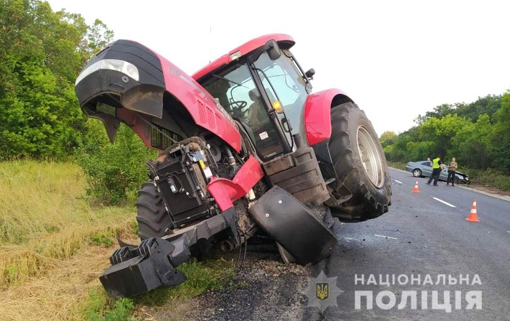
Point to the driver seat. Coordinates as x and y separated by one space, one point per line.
257 115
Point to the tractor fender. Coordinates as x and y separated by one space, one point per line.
293 226
317 113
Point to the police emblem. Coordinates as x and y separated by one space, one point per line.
322 292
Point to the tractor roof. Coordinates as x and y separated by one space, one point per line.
243 50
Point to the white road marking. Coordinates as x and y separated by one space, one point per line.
388 237
398 182
437 199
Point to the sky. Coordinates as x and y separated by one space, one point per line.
395 59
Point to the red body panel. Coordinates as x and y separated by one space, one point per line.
318 115
200 104
243 49
226 191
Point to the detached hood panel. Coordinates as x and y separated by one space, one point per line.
135 80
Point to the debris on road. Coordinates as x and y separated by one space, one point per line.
388 237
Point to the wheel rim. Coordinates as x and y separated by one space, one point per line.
370 156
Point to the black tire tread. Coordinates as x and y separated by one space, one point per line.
152 217
367 202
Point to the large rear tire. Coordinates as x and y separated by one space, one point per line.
152 217
359 162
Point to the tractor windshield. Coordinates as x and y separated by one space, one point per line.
283 82
236 91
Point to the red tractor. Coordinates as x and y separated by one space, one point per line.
246 149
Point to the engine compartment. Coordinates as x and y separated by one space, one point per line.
181 175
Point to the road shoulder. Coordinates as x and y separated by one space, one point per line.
478 189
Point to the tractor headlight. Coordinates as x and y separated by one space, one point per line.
110 64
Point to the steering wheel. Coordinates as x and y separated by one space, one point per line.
237 108
240 104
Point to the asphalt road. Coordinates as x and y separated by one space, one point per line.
424 235
423 239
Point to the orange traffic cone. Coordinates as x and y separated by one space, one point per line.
415 189
472 215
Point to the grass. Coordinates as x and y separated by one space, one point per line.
99 307
489 178
55 244
44 218
202 276
398 165
173 303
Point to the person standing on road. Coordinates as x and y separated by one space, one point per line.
452 167
436 170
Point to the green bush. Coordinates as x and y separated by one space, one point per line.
489 178
100 307
116 171
399 165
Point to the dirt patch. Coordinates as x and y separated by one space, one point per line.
174 310
264 289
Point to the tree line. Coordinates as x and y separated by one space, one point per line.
477 134
41 53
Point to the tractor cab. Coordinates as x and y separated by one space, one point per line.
262 86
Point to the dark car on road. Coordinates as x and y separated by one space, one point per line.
424 169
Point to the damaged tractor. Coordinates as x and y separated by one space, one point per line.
246 149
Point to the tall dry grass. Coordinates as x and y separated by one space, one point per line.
61 294
39 199
46 227
54 245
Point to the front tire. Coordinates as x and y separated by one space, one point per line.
152 217
359 162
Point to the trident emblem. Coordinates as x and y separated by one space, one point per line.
322 292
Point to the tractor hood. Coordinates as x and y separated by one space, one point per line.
127 82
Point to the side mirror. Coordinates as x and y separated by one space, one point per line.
310 73
273 50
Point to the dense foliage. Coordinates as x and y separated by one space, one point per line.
476 134
41 53
114 171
